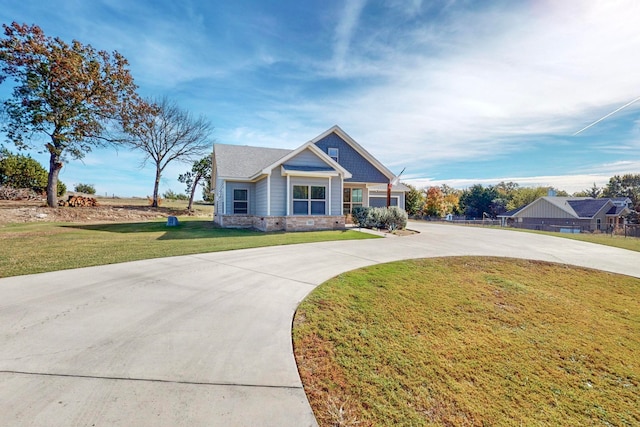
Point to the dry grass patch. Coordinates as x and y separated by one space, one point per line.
471 341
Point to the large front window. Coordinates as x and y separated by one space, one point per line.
309 200
351 198
240 201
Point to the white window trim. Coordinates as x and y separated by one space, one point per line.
233 201
337 156
309 200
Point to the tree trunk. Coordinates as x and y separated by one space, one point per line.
193 192
52 181
156 185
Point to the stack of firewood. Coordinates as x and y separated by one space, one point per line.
78 202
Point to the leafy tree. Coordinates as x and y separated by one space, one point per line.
627 185
451 199
594 192
20 171
207 195
85 188
200 170
478 201
164 132
434 204
67 93
525 195
414 200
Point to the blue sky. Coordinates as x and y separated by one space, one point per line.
458 92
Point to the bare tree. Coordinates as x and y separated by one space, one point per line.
165 132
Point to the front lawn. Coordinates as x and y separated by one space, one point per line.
471 341
40 247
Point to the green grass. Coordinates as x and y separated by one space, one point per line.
630 243
41 247
471 341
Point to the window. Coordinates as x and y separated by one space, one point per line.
240 201
333 153
351 198
309 200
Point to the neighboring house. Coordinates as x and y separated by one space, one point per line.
569 214
310 188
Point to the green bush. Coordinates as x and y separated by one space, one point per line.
85 188
61 190
391 218
18 171
360 215
171 195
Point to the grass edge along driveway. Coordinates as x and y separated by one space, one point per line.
471 341
42 247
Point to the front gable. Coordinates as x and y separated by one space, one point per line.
543 208
354 159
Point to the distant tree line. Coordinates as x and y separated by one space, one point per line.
480 201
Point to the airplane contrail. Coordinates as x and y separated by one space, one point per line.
608 115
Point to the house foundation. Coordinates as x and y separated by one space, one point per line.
282 223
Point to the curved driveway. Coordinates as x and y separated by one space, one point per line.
203 339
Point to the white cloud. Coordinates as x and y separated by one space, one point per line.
347 25
546 70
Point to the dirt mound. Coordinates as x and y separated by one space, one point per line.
31 211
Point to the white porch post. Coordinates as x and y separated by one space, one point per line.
269 194
329 204
288 195
341 193
224 197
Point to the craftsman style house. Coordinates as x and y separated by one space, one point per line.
570 214
312 187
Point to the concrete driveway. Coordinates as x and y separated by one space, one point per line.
203 340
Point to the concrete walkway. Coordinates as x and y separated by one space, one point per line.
203 340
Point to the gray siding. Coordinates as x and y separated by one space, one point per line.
361 169
240 185
336 196
278 193
261 197
306 158
544 209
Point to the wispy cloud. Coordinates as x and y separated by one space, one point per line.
347 25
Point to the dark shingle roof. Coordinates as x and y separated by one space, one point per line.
587 208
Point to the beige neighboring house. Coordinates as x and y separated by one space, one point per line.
570 214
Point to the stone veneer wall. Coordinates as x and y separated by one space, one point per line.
315 222
280 223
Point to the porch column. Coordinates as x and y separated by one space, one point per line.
329 204
269 194
288 195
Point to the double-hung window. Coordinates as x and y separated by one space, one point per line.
333 153
240 201
309 200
